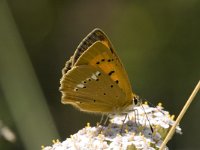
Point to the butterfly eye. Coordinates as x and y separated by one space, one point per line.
135 100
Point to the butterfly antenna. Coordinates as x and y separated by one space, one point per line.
147 119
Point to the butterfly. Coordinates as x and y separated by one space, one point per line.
94 79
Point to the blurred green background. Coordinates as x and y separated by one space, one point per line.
157 41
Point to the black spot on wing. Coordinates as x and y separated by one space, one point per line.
111 72
89 79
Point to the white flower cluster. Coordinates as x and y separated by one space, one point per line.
144 128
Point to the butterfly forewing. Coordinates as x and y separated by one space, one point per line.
99 56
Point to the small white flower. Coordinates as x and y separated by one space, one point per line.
135 132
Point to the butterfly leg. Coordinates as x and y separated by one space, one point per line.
108 116
106 120
126 115
136 117
101 120
100 123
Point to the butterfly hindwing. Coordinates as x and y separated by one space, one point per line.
89 88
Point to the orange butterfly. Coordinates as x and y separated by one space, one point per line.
94 79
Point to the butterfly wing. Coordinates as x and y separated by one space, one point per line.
99 56
90 89
97 52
